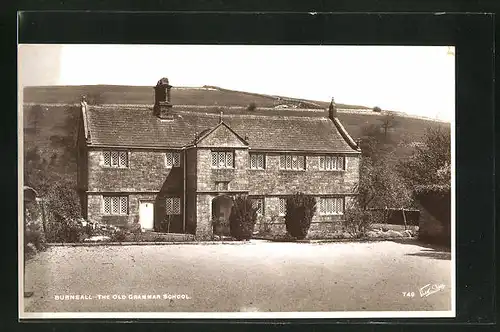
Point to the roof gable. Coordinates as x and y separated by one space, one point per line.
221 136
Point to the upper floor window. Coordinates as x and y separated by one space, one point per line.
173 206
282 206
222 159
257 161
115 205
222 186
331 163
173 159
259 204
331 205
292 162
115 158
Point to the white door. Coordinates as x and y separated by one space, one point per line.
146 215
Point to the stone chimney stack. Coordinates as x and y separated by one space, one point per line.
332 110
162 104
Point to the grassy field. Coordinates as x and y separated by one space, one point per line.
208 95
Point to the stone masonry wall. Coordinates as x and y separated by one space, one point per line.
146 178
273 181
208 176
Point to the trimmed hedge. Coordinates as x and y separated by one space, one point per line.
242 218
300 209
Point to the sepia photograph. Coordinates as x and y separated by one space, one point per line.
236 181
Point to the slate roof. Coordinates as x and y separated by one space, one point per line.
265 129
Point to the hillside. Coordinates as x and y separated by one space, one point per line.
206 95
49 115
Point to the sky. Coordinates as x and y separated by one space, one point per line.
418 80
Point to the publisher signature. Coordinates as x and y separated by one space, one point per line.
430 289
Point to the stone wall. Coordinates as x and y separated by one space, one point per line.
273 181
146 171
208 176
146 178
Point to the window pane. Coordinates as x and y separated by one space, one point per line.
282 162
229 159
222 160
115 205
176 156
301 162
114 158
176 205
168 159
123 159
107 205
328 163
288 162
107 158
214 159
340 205
341 163
168 206
322 163
260 161
123 205
282 206
253 161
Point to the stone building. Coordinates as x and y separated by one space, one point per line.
174 168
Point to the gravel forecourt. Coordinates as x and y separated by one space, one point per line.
256 276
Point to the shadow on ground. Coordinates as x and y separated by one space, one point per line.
428 250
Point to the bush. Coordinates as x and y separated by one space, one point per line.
242 218
357 222
377 109
252 106
66 231
118 236
63 210
300 209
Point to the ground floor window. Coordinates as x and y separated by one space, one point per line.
115 205
331 205
282 206
173 206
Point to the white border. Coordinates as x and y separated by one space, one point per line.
225 315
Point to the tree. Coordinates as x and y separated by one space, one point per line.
242 218
377 109
388 121
252 106
300 209
430 162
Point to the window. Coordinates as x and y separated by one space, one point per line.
115 205
330 163
115 158
257 161
173 206
331 206
292 162
222 159
221 186
282 206
173 159
259 204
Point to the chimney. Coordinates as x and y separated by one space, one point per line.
162 104
332 110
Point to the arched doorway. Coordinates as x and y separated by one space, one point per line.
221 209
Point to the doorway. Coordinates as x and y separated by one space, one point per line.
221 209
146 215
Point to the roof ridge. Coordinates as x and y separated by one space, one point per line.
255 116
